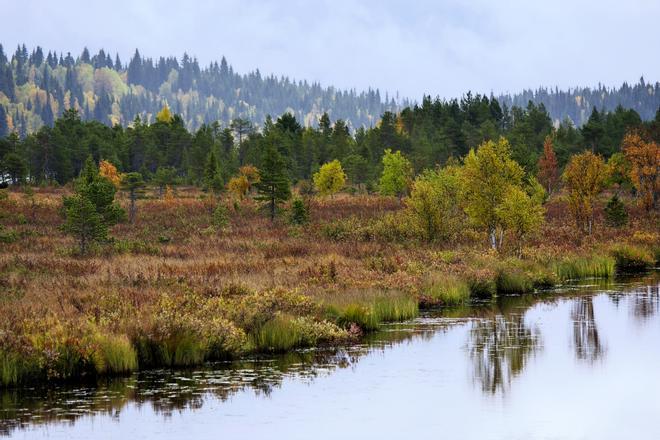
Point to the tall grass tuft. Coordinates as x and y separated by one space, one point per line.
10 368
577 267
115 355
446 290
187 351
513 280
632 258
278 335
482 283
394 309
368 309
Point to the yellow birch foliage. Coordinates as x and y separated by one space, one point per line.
238 186
251 173
330 178
109 171
585 177
644 158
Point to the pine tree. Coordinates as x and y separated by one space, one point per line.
273 187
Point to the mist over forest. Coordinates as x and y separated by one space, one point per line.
38 85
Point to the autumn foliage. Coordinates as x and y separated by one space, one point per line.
548 175
109 171
585 177
644 158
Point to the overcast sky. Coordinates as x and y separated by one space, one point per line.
442 47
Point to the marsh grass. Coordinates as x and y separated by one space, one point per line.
115 355
183 296
482 283
520 276
278 335
580 267
11 368
632 258
514 281
187 350
369 308
446 290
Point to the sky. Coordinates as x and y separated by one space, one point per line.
414 48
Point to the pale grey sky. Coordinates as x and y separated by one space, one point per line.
443 47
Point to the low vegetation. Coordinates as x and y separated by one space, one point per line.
116 271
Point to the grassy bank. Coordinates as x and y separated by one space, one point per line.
173 289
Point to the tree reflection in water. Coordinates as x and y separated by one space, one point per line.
500 346
586 340
169 391
646 302
499 349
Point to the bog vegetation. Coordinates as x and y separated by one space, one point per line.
153 246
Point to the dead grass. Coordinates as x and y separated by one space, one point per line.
172 249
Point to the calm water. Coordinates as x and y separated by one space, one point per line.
578 364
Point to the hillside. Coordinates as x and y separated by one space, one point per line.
578 103
36 87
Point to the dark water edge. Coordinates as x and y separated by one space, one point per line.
500 340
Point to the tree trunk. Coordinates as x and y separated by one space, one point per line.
493 239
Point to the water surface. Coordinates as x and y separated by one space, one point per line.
582 363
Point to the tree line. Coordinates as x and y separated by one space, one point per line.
455 163
486 189
429 134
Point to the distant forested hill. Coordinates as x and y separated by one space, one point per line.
36 87
577 104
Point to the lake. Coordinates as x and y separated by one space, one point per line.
576 363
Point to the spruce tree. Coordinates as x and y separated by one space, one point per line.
615 213
133 184
274 186
4 128
83 222
212 176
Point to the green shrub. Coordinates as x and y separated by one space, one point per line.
632 258
7 236
134 247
